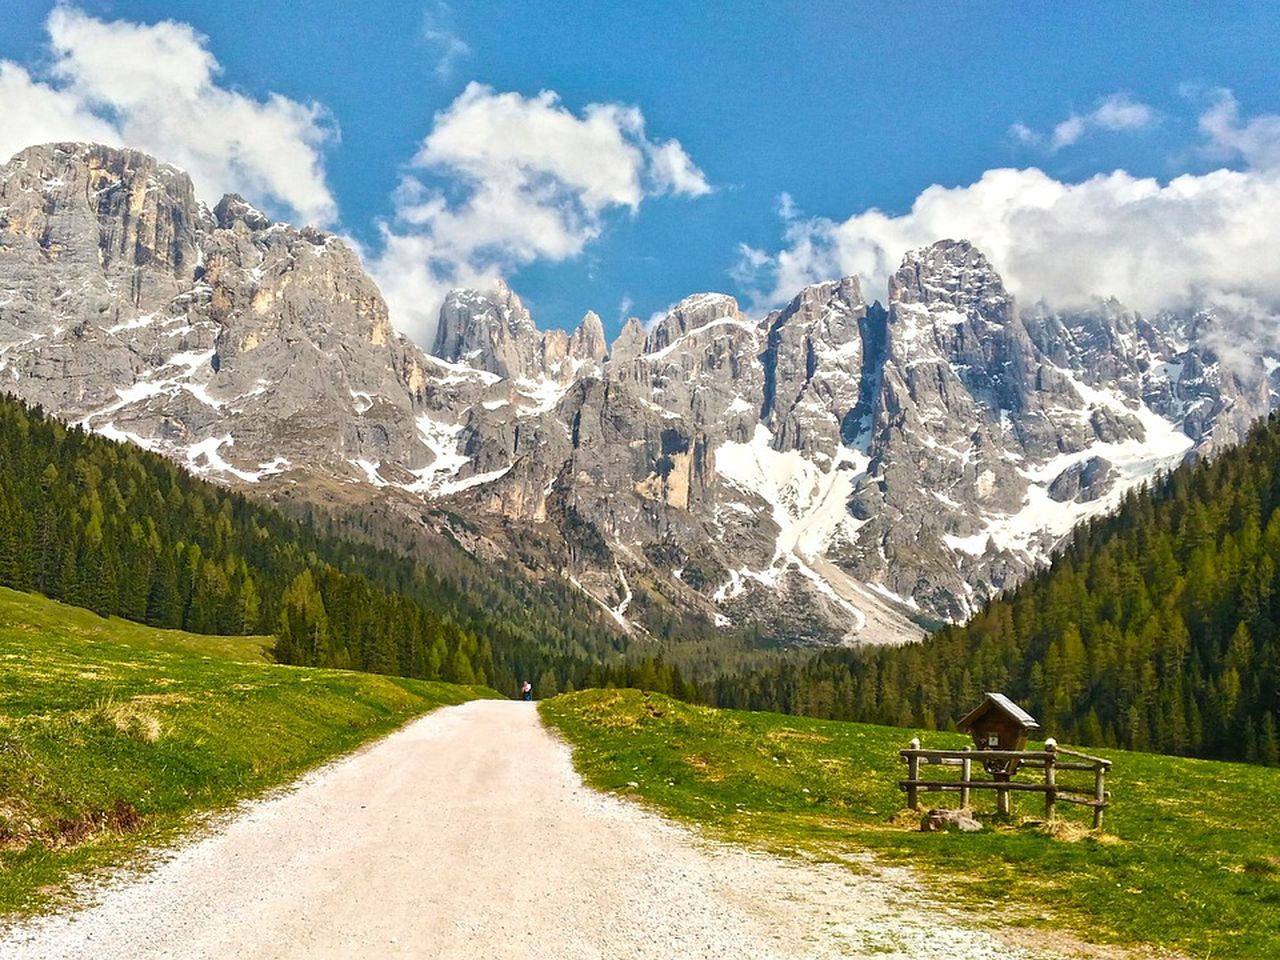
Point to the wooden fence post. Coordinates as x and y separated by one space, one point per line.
1002 794
1051 791
1051 759
913 774
1099 795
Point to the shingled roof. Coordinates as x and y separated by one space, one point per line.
998 701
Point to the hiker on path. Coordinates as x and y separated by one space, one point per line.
526 690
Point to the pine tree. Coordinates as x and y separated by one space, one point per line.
303 629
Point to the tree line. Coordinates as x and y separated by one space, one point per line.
1154 628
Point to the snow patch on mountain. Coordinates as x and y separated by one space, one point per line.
441 440
204 458
715 327
809 504
1042 521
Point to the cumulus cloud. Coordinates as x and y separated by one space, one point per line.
36 113
155 87
673 171
1119 112
503 180
1114 112
1256 141
1152 245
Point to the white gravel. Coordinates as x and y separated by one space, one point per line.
468 835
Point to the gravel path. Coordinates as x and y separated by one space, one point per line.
468 835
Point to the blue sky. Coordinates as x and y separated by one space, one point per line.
839 107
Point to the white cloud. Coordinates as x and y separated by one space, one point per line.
1119 112
527 180
753 264
1114 112
673 171
1257 141
657 317
1194 239
1152 245
1067 132
438 31
1024 134
35 113
154 87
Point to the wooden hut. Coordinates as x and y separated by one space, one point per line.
999 724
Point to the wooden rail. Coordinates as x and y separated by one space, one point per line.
1046 760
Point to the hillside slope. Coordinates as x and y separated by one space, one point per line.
1183 861
116 734
121 531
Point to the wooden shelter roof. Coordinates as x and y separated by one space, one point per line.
998 701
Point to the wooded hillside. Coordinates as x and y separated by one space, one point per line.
121 531
1153 629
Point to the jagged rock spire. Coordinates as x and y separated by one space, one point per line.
630 342
588 342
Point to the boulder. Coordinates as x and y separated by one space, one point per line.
941 821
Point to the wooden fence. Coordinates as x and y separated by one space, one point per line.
1003 765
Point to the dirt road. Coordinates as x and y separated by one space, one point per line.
468 835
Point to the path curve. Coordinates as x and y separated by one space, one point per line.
467 834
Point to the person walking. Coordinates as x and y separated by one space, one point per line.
526 690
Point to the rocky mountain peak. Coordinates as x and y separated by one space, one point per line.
948 308
814 349
233 209
100 215
820 301
630 341
96 161
689 314
588 342
511 307
951 272
491 331
830 473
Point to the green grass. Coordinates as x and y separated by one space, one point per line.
114 736
1189 857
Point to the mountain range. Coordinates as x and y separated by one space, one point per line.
835 471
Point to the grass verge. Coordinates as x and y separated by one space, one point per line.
113 735
1189 858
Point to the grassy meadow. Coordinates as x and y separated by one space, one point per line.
114 735
1188 858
